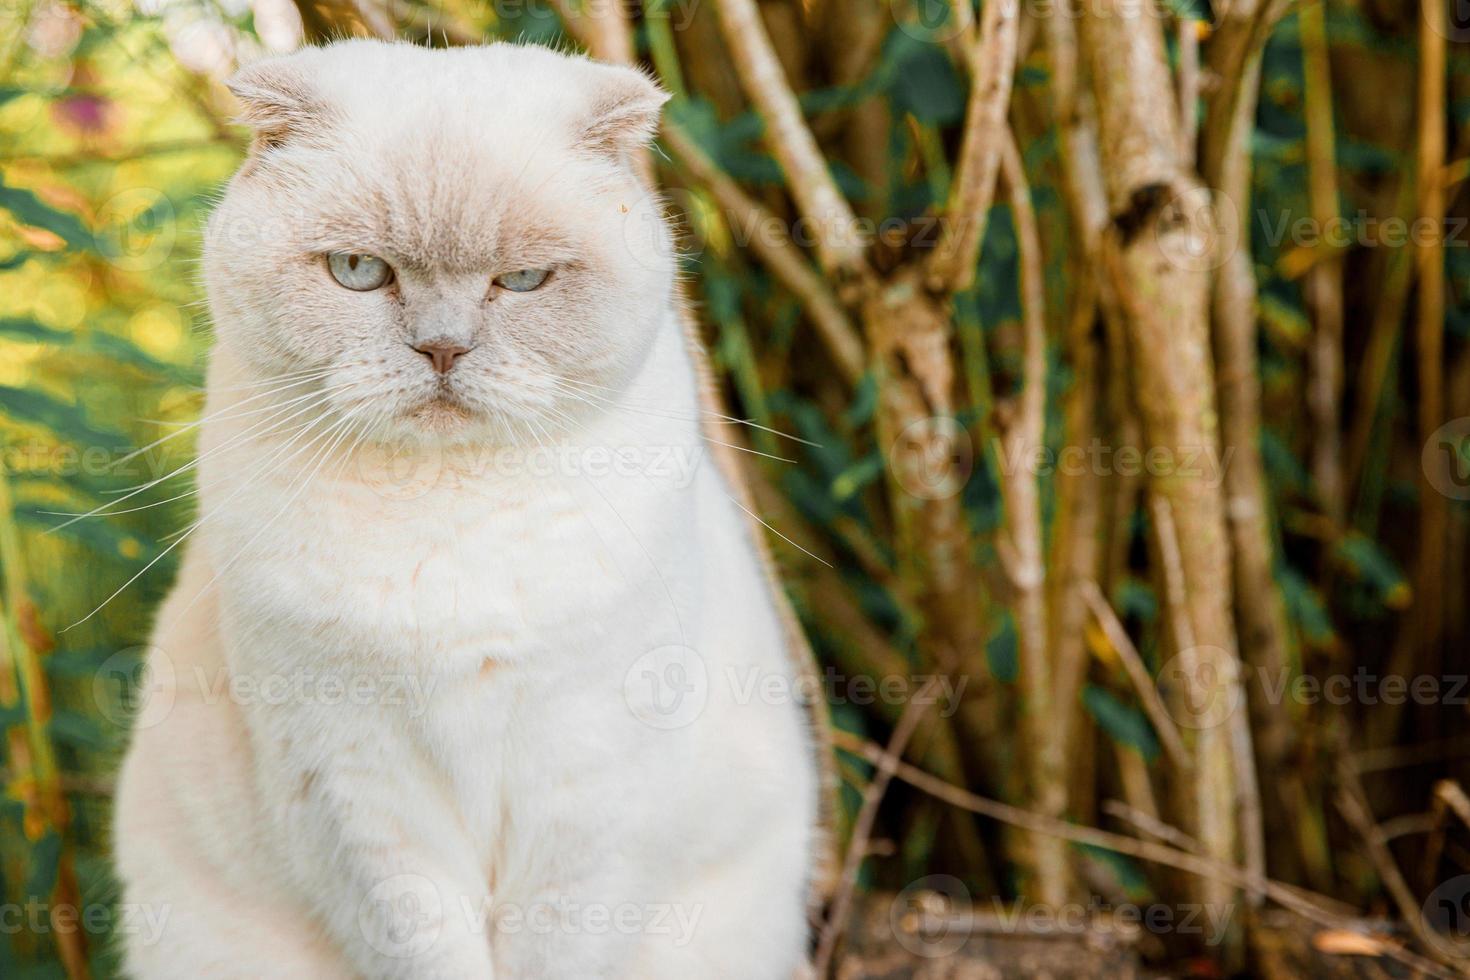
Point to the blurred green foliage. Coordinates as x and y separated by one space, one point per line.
111 148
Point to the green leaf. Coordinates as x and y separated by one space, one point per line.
928 87
1123 723
31 210
1283 469
1001 653
864 404
1134 598
1189 9
113 350
1371 565
120 351
19 328
852 480
77 663
67 421
12 715
1304 606
45 860
1126 873
72 728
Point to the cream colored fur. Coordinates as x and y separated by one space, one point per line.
456 679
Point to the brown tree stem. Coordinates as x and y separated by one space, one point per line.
768 239
1164 295
1429 260
839 245
951 268
1323 285
1021 438
1352 803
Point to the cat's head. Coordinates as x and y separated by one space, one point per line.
450 242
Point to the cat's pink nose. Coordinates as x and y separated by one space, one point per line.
442 353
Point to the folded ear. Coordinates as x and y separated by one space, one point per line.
624 111
276 101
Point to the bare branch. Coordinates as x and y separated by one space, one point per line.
1022 437
1430 258
1323 286
839 244
1313 908
1164 298
780 255
862 828
1148 692
993 65
1449 797
1352 803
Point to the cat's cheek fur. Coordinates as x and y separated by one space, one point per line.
487 711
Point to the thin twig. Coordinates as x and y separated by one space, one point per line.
1148 692
862 829
1242 754
1428 605
1352 804
768 239
1022 436
1151 825
1323 284
993 65
839 244
1449 798
1314 908
1399 756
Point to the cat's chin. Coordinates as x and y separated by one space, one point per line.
442 415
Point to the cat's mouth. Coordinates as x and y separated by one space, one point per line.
441 411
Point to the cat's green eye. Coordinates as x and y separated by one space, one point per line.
523 280
358 271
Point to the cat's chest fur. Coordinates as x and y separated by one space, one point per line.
492 625
470 572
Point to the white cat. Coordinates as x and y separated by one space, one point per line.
472 668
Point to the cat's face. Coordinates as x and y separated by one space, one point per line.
446 242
